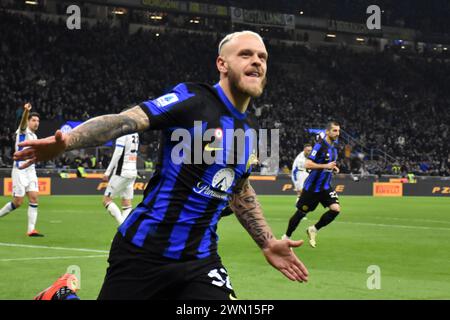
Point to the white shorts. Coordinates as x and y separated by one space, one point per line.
301 178
120 186
24 181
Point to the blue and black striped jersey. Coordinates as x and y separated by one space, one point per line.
320 179
182 203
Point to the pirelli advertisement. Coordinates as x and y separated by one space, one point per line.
264 185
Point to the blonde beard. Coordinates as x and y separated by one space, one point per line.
235 81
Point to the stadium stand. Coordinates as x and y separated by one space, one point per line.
394 104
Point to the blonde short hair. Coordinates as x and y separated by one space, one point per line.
233 35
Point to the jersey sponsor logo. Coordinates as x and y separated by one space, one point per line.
166 100
313 153
223 179
204 189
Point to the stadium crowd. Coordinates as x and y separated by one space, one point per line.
393 107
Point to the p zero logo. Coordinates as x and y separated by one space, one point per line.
137 186
441 190
386 189
44 184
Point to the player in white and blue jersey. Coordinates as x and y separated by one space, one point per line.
24 180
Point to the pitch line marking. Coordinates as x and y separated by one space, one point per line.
380 225
403 219
52 258
393 225
17 245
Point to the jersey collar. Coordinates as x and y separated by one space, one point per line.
330 145
235 112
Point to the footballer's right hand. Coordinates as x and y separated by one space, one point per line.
41 149
27 106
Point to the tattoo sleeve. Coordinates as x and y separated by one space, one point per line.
249 213
101 129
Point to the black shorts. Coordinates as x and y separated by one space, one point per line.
308 200
133 275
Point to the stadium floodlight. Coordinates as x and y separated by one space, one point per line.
360 39
119 11
331 35
301 12
33 3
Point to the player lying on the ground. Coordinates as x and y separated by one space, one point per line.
25 181
318 188
167 247
121 173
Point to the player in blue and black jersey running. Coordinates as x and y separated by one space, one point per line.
317 188
167 246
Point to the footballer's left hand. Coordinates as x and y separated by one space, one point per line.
280 255
41 149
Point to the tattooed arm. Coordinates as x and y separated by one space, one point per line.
277 252
99 130
92 133
249 213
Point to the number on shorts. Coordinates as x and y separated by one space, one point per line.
333 194
218 279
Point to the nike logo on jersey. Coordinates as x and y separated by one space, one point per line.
209 148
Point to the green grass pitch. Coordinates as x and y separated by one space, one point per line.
407 238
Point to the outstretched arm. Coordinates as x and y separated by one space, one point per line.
277 252
24 120
99 130
92 133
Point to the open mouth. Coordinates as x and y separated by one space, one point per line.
253 74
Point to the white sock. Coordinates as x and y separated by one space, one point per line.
126 211
115 212
7 208
313 227
32 216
